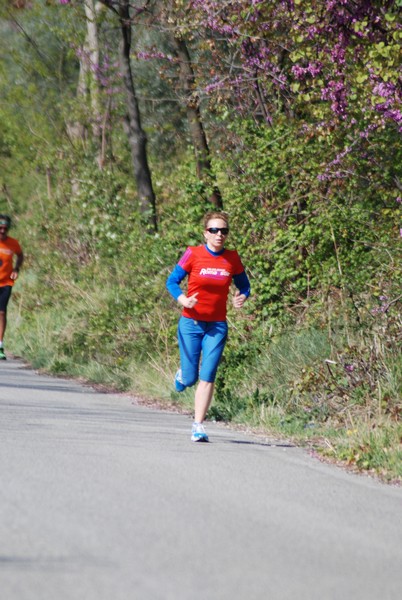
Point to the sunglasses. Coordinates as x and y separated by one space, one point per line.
223 230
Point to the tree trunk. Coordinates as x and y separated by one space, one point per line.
91 50
88 86
201 149
136 135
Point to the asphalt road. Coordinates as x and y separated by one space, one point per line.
103 499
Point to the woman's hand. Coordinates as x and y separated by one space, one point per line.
188 301
239 299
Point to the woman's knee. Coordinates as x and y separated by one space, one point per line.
208 373
189 378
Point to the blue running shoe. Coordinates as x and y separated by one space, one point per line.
198 433
2 354
178 382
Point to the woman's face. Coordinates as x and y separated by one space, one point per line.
216 241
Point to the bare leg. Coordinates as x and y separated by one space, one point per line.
203 397
3 323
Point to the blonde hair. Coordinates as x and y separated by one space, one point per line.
218 214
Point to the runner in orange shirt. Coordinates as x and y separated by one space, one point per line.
9 247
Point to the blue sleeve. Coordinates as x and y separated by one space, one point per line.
174 280
242 283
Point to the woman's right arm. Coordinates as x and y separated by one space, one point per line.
173 286
174 280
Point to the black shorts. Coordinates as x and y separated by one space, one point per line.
5 293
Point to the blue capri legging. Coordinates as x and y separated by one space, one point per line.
196 337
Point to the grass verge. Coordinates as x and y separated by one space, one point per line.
336 392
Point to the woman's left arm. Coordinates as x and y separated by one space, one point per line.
242 283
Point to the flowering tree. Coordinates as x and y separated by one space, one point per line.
334 57
332 68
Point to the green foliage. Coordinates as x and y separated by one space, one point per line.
307 232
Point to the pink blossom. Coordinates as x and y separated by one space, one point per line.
151 55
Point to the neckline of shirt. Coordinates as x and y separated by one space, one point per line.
214 253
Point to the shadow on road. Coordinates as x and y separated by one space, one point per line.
266 444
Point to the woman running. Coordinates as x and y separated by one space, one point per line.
202 329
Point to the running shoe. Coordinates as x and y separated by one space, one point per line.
198 433
178 382
2 355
